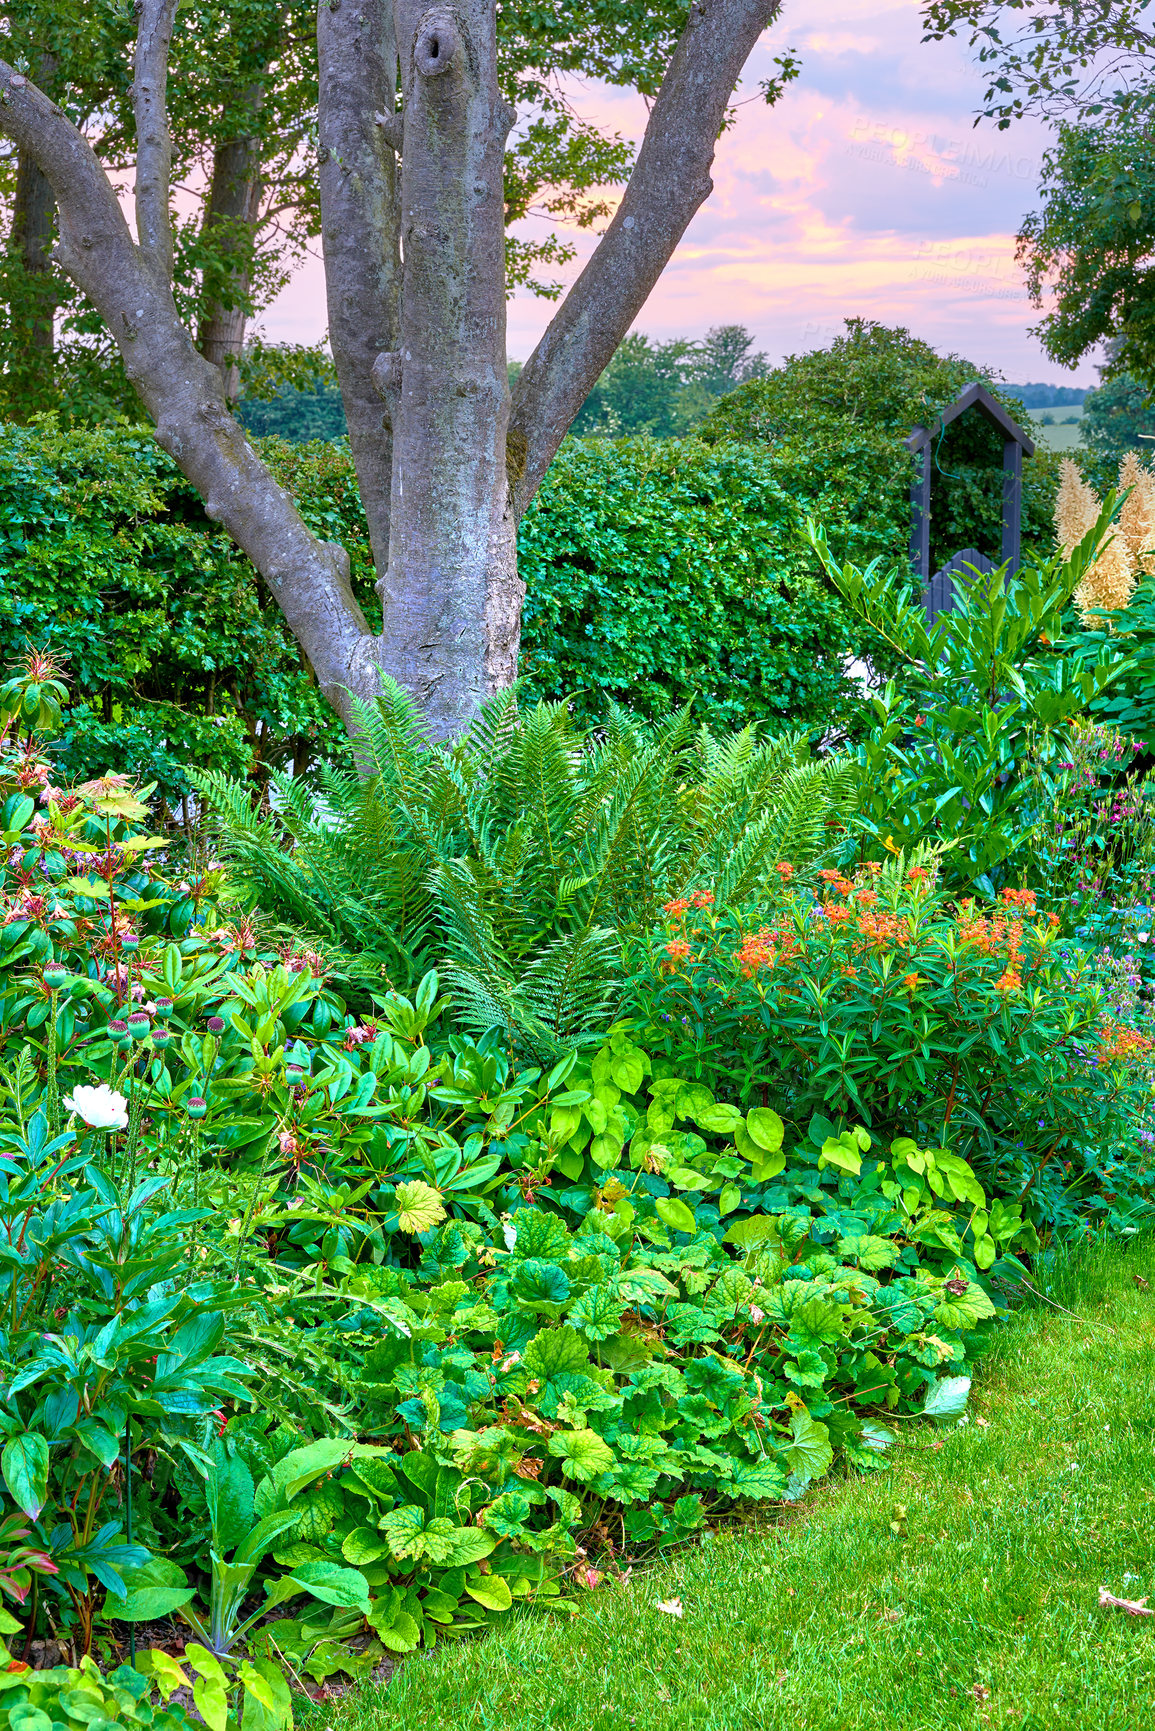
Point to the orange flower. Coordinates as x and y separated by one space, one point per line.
1120 1044
676 951
676 908
910 981
785 870
1052 919
1019 899
1009 981
836 915
840 885
755 952
873 866
918 874
702 899
866 898
850 973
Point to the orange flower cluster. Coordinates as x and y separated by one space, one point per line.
1010 980
1024 899
675 909
993 937
837 882
785 870
1120 1044
882 930
676 951
756 952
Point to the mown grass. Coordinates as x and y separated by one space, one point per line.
958 1589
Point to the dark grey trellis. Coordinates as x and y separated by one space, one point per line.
938 590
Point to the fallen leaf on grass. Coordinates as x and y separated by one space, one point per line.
672 1607
1140 1282
980 1692
1133 1607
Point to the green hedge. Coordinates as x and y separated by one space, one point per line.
660 570
176 653
657 571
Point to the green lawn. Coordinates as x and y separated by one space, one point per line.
958 1589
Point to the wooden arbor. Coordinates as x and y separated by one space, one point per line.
938 589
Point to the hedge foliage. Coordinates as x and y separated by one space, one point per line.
657 571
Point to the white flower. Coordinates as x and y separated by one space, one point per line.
510 1235
103 1108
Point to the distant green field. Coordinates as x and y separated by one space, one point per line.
1063 435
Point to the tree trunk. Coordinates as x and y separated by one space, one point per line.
450 595
358 132
230 224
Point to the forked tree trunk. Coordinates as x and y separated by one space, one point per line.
416 289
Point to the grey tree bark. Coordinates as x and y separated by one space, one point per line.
413 233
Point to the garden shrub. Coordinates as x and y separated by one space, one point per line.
883 1002
968 754
175 653
429 1307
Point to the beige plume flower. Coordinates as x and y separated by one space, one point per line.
1137 518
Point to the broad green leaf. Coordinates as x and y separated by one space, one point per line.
363 1545
808 1453
165 1671
755 1229
765 1128
419 1207
209 1693
598 1312
333 1585
583 1454
675 1214
720 1119
537 1282
729 1199
947 1399
492 1591
835 1152
24 1464
692 1099
155 1589
554 1351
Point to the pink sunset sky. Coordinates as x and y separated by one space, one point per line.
866 191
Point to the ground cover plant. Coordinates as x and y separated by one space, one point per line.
960 1589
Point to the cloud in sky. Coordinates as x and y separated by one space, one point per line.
867 191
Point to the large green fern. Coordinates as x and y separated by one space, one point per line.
525 857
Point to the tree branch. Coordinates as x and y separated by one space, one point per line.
184 394
153 138
671 178
360 228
